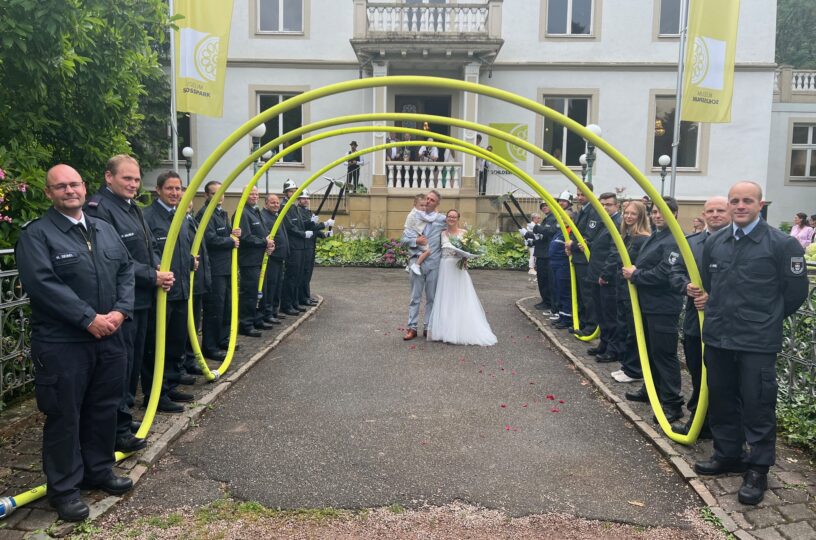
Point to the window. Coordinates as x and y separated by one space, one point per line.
558 140
803 151
670 17
569 17
280 16
284 123
687 152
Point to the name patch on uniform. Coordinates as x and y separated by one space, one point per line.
160 238
63 256
127 235
593 224
220 228
797 265
712 266
673 256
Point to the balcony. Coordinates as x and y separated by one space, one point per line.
794 85
422 36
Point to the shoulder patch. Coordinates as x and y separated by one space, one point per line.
673 256
797 265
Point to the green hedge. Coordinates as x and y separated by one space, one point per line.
502 251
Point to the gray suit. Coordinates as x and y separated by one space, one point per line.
430 270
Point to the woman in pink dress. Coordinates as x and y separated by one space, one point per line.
801 230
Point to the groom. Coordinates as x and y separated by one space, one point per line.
431 237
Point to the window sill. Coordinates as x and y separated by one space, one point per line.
802 179
680 170
288 165
565 37
263 33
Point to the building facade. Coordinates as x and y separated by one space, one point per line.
609 63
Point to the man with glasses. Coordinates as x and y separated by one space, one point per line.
79 278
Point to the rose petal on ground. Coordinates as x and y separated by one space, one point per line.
507 428
554 409
504 405
560 401
524 405
411 347
550 397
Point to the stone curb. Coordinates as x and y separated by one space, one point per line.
660 442
177 428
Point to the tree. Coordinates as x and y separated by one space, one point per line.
796 33
73 76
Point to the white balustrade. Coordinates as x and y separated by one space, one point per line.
423 175
803 81
427 19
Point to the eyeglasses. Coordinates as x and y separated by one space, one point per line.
64 187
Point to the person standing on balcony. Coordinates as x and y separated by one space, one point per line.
755 276
79 277
353 169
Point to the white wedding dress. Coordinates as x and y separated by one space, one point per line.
457 316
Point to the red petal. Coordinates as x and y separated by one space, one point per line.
507 428
524 405
481 371
514 372
412 347
504 405
554 410
550 397
560 401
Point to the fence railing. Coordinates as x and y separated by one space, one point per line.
427 19
796 364
795 84
16 369
423 175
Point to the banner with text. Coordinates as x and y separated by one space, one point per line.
510 152
201 43
708 83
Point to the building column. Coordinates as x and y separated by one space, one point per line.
378 217
470 112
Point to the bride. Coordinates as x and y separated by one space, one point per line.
457 315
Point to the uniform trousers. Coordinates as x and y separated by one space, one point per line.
586 307
606 309
291 279
308 270
742 406
78 387
627 338
134 334
694 363
561 289
542 268
217 314
274 287
661 342
175 338
248 315
189 354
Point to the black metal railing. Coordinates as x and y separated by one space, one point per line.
16 369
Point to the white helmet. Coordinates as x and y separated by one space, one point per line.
289 185
564 196
304 194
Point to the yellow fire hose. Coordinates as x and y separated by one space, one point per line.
9 504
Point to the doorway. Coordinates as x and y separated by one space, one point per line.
436 105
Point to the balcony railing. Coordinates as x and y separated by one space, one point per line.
427 19
423 175
795 85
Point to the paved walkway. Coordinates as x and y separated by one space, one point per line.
343 413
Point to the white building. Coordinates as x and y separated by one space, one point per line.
611 63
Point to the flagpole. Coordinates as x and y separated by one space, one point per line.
681 64
173 113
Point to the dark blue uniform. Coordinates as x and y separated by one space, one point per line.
561 287
590 225
217 303
661 305
296 228
250 257
72 274
541 236
305 291
274 266
627 338
127 219
604 297
753 283
158 219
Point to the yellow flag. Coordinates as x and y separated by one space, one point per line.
201 43
502 148
708 83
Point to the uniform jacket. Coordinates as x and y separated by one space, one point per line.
753 284
203 277
316 228
295 228
218 241
253 238
590 225
654 265
69 283
633 245
281 240
542 235
602 246
158 219
126 218
680 280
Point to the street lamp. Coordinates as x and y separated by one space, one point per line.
664 161
582 159
188 154
266 157
256 134
590 155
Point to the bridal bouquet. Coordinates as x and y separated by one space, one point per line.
469 246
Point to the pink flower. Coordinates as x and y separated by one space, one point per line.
2 174
23 187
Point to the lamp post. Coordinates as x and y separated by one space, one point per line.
256 134
664 161
266 157
582 159
188 154
590 155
